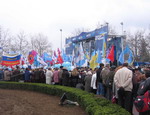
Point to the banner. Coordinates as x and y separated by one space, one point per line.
9 60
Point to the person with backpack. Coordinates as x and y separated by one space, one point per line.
109 82
142 102
103 74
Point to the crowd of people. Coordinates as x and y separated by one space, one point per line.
121 82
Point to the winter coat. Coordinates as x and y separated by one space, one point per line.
144 86
7 75
109 79
37 74
104 73
87 80
93 81
98 74
27 75
123 78
65 77
56 76
49 75
1 74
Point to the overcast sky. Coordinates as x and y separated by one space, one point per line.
49 16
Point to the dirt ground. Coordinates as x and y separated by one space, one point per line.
16 102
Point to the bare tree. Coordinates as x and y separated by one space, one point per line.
41 44
22 42
139 44
143 50
4 39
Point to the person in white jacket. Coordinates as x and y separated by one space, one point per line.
93 82
49 75
123 82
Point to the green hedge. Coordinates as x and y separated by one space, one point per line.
92 105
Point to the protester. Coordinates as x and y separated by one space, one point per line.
32 76
123 82
103 74
56 76
82 77
74 77
49 76
42 76
60 75
37 75
1 74
143 88
27 75
109 82
88 81
7 75
100 88
65 77
93 82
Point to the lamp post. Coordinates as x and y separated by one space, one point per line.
61 39
107 26
122 27
122 40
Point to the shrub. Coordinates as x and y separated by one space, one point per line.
91 104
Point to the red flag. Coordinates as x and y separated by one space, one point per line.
111 54
59 52
59 59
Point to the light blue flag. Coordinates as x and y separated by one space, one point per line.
130 59
99 59
127 50
121 58
46 57
36 63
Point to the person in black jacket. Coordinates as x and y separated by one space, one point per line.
144 86
65 77
100 89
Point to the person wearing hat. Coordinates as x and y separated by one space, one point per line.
123 82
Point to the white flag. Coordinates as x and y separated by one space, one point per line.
41 61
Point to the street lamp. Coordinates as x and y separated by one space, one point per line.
61 39
107 27
122 27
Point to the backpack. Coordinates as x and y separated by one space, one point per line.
142 103
108 82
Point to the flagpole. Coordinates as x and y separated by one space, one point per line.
122 41
61 39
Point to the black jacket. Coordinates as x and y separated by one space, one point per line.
144 86
98 74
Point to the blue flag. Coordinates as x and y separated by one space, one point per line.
128 51
99 58
46 57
